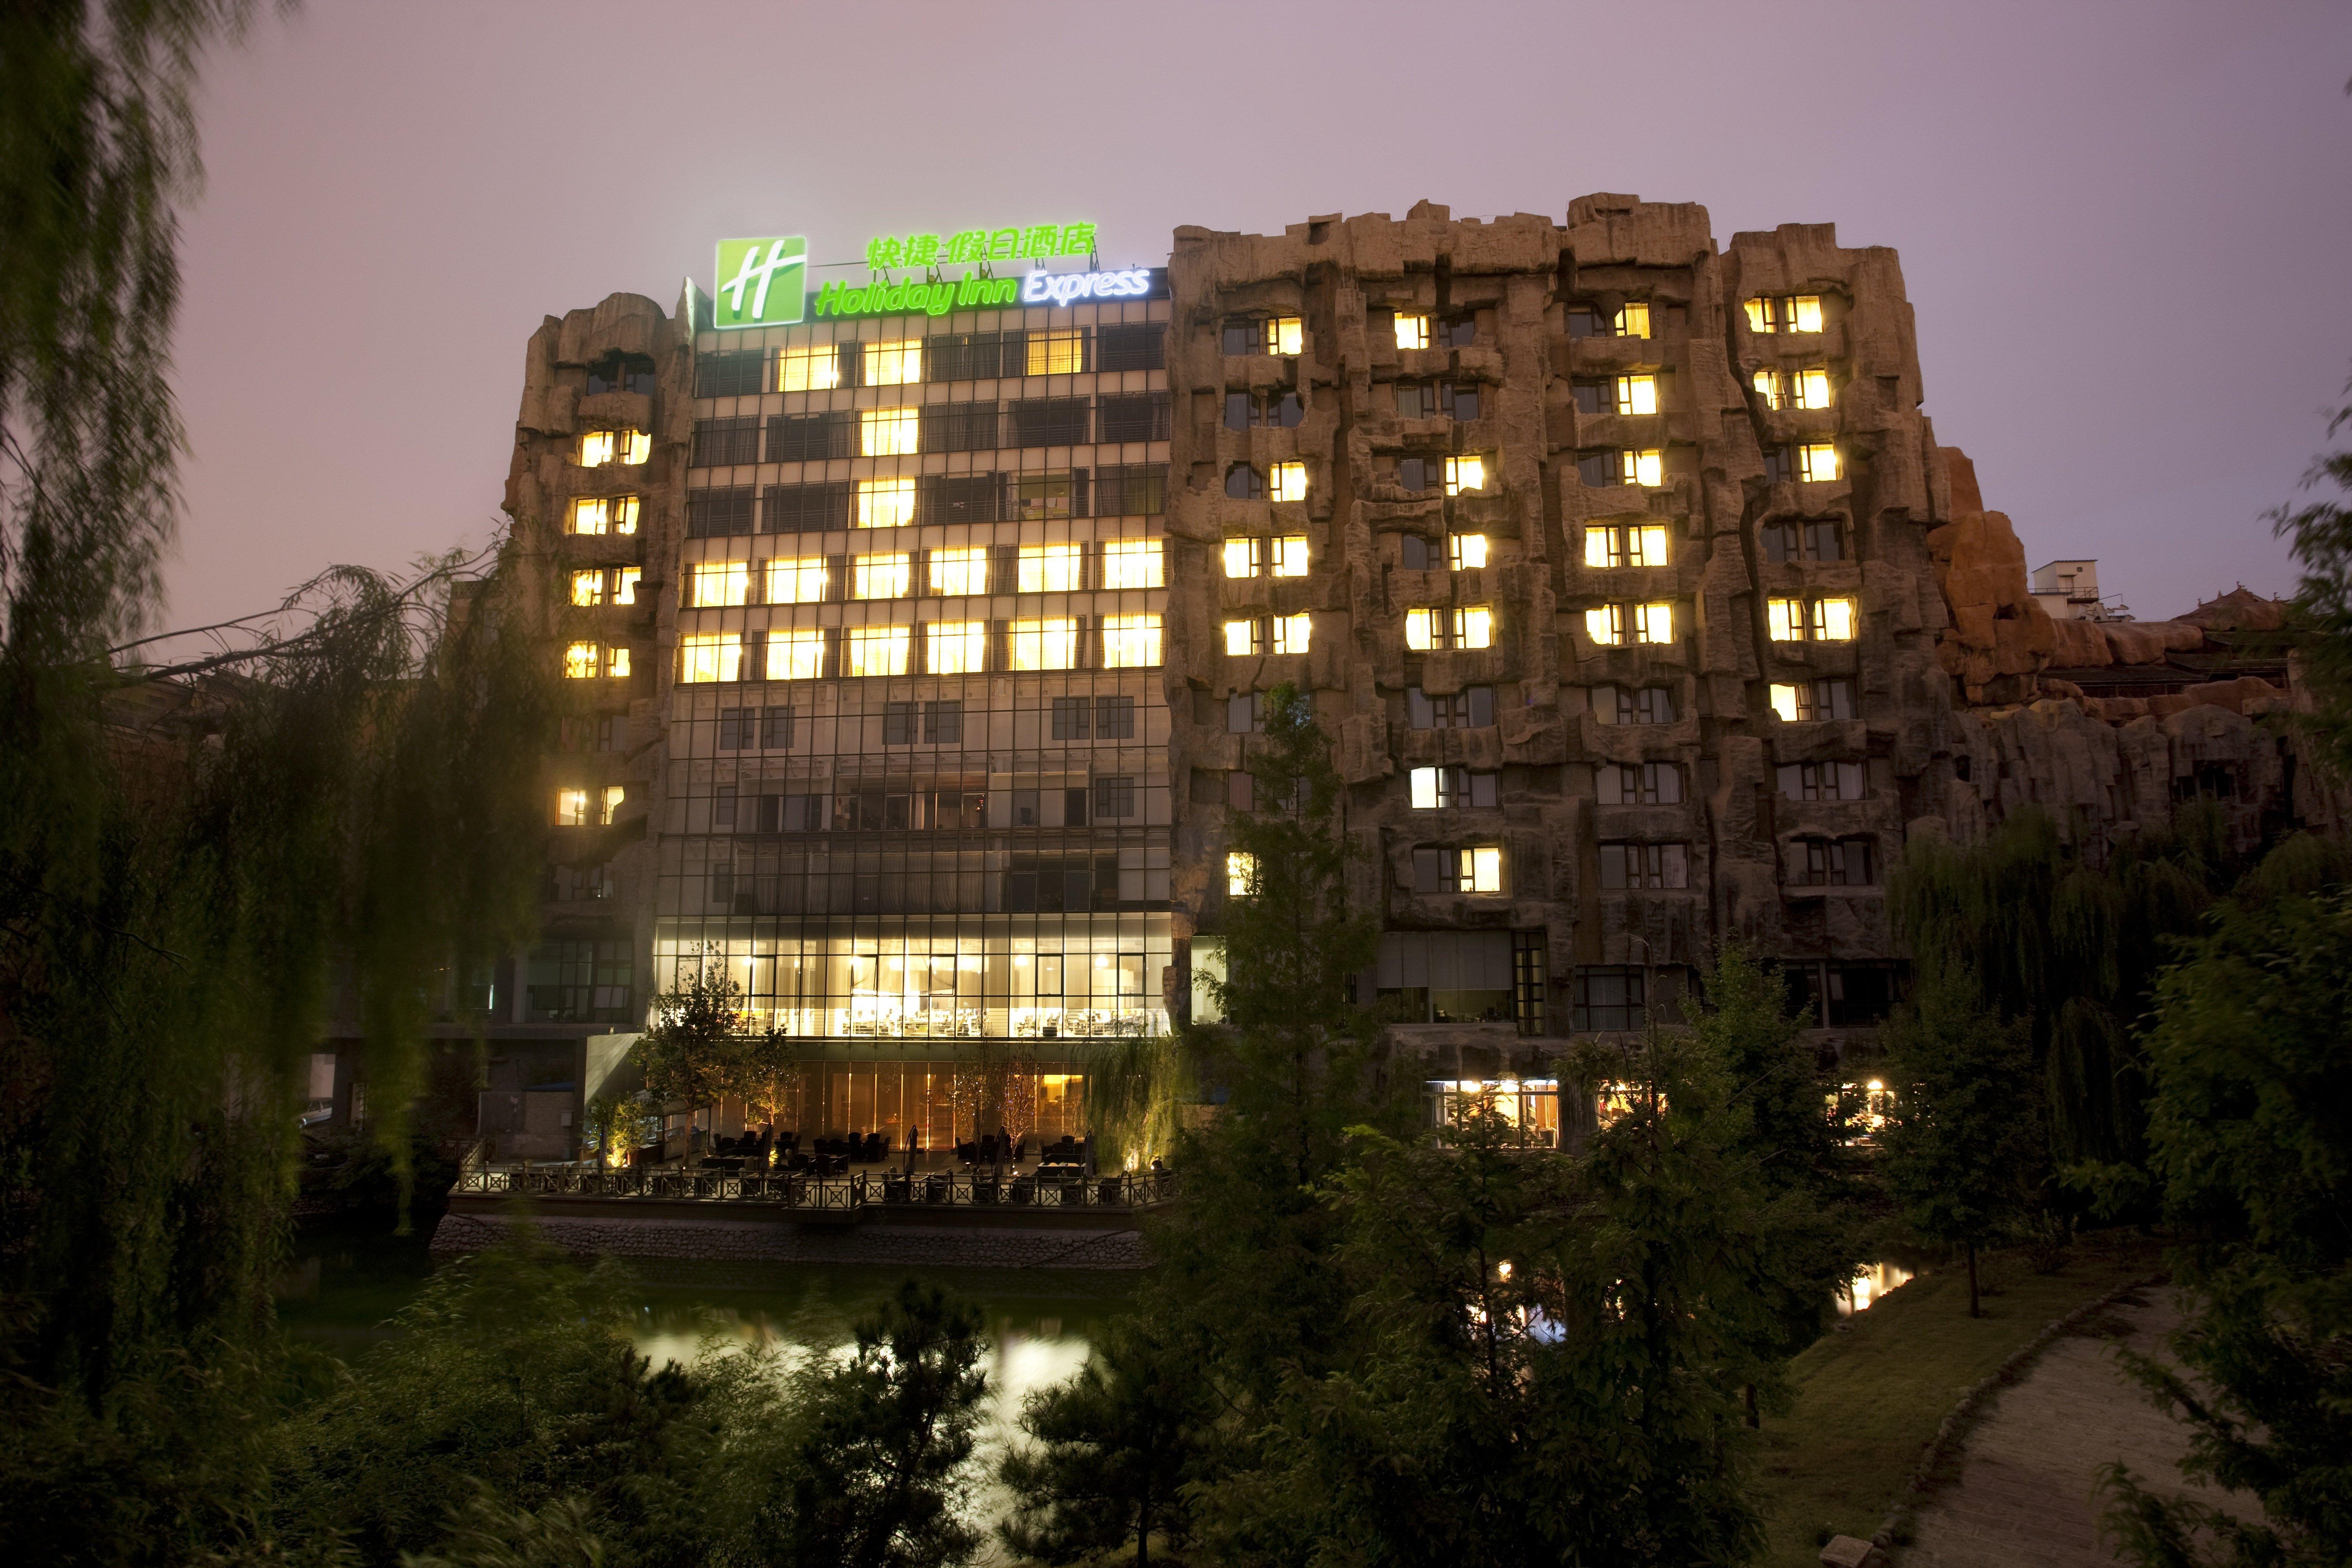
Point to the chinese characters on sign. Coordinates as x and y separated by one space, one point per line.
1035 242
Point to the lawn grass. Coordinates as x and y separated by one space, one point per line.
1868 1399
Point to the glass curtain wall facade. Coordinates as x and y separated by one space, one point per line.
917 797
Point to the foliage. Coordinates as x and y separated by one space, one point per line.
2322 535
695 1052
1136 1088
2252 1139
1964 1146
1110 1454
889 1435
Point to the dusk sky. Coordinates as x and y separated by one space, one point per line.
2123 227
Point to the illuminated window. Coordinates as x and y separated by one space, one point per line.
1289 555
1045 645
616 662
1132 563
1473 870
581 660
796 580
955 647
1412 332
1605 625
1423 628
1038 496
1784 619
605 514
711 656
880 576
809 370
1466 552
1285 335
1785 313
1817 463
1646 469
1632 319
1794 389
1446 789
1240 874
877 650
1242 557
1653 623
1637 395
1289 482
885 503
797 654
1050 568
893 364
600 448
1632 544
1291 633
722 583
960 571
596 448
588 587
1811 701
889 432
1465 474
1613 626
1241 637
1132 642
608 805
1832 620
572 808
1057 353
1471 626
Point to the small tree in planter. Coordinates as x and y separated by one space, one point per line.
697 1049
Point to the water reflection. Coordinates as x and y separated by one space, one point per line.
1870 1282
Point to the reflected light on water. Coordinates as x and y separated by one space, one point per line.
1871 1281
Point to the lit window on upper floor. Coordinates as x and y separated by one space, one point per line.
705 657
796 580
1619 625
889 432
1045 644
1447 789
814 369
1622 465
1265 335
1832 620
1243 638
893 364
608 804
1822 781
1130 642
1287 482
1634 395
1060 353
1243 557
1240 874
959 572
1466 552
591 661
1633 705
1625 545
1051 568
889 576
1795 388
1785 313
721 582
795 653
1815 541
603 514
1809 701
1464 627
885 503
1287 555
1036 497
1823 620
1292 633
1817 463
1411 331
1467 472
588 587
955 647
877 650
1478 870
1132 563
1638 783
1631 320
599 448
625 584
572 808
1267 408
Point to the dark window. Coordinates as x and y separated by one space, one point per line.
734 728
722 806
1050 422
1244 483
742 374
1244 712
1779 467
1459 787
1822 781
959 498
1468 710
1644 866
959 427
1785 541
807 508
712 514
1415 400
1834 863
1244 336
1036 495
1825 699
1583 322
1599 470
1824 542
811 437
1267 408
1138 416
724 443
1630 705
1115 797
897 724
776 730
1208 787
1456 401
970 356
1072 717
1862 994
1611 998
1593 395
1131 345
1446 871
1132 489
1639 784
1241 790
1413 553
611 733
1458 333
1419 474
634 372
1114 718
579 981
943 722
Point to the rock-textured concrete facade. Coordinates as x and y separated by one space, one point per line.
1846 654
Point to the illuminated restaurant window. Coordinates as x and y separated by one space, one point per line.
955 647
711 656
889 432
1615 625
893 364
1832 620
877 650
796 580
885 503
797 654
1468 626
1632 319
722 583
581 660
959 571
1132 563
1050 568
1131 642
880 576
1629 544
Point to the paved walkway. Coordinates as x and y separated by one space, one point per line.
2025 1495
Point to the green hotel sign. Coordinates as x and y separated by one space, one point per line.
1035 242
761 282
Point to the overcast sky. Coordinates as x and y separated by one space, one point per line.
2124 226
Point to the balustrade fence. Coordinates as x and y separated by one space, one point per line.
862 1190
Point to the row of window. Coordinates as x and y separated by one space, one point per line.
944 647
932 427
1839 995
950 356
1111 564
932 722
953 808
1614 784
1625 865
1285 335
1474 708
1135 489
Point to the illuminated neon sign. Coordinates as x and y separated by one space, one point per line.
1061 288
913 297
761 282
1037 242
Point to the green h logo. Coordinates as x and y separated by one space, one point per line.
761 282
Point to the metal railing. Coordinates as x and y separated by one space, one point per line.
834 1193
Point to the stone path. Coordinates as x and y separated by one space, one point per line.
2025 1492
